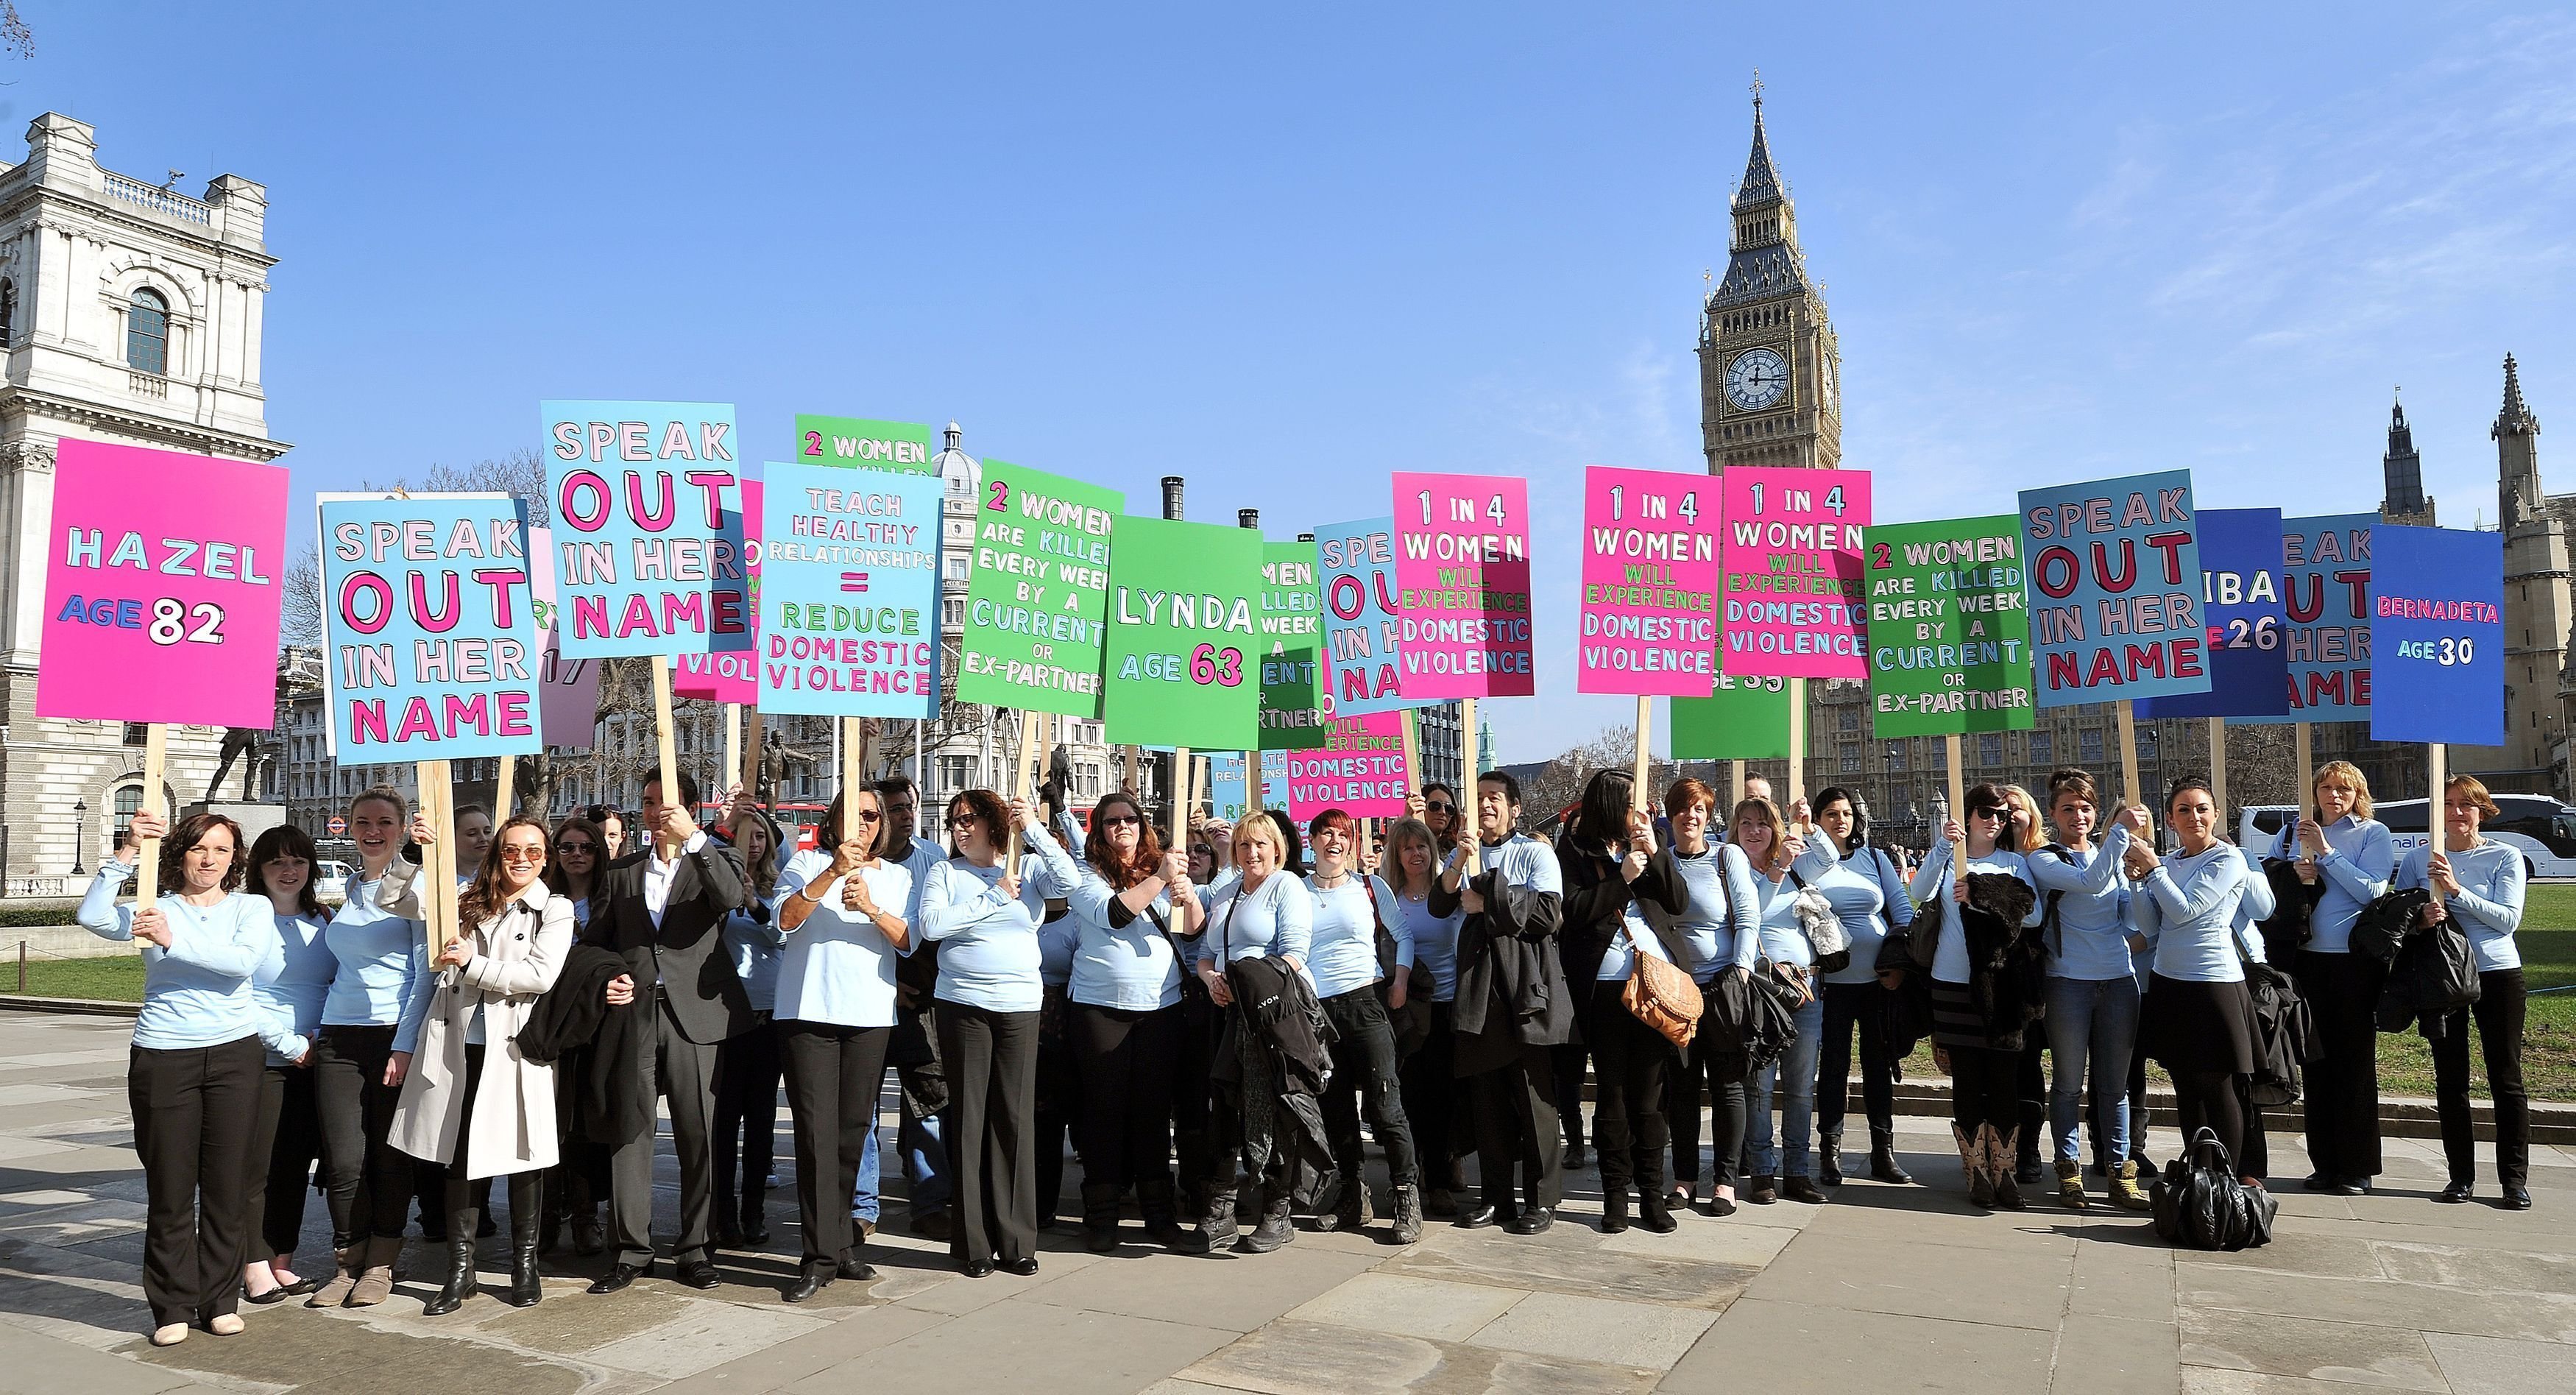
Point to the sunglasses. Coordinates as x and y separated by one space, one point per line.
1120 821
962 820
867 816
523 854
1442 808
1989 814
580 849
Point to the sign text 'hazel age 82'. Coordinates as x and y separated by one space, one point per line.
429 627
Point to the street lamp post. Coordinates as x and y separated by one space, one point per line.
80 833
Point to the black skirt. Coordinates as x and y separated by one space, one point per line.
1955 1019
2194 1028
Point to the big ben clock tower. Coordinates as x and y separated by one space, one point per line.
1769 371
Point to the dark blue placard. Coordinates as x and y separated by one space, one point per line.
2240 592
2437 635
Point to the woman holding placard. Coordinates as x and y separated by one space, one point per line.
842 918
1867 899
193 1077
1721 931
2093 995
2350 855
369 1023
986 917
1432 1102
1356 990
747 1063
473 1105
2029 824
2199 1019
1619 891
1985 1102
574 1186
1266 911
1125 1026
287 1135
1787 953
2478 882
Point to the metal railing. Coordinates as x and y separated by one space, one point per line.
162 201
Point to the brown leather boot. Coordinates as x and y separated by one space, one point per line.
344 1276
376 1277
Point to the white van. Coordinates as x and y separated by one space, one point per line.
2542 827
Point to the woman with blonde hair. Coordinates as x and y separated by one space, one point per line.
1267 912
471 1102
1433 1103
2478 882
2029 835
2349 854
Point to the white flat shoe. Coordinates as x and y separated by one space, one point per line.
170 1334
225 1324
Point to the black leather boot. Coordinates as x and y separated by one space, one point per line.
1350 1207
461 1281
1408 1216
1882 1158
1217 1227
527 1225
1274 1230
1156 1199
1614 1207
1829 1157
1100 1217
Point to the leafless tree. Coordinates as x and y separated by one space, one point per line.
16 39
1559 784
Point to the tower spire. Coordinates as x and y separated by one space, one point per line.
2516 418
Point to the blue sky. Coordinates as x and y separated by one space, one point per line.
1285 253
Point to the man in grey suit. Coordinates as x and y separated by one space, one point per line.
665 904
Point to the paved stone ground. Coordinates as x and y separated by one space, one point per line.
1898 1287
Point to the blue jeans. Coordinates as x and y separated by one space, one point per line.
925 1168
1797 1101
2095 1019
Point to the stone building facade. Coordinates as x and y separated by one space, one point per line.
132 313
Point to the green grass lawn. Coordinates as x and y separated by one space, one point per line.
2548 943
118 978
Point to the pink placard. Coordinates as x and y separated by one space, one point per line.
1359 770
1462 578
1649 608
162 587
568 695
1794 607
732 676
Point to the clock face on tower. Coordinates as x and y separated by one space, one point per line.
1756 379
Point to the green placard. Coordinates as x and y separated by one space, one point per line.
1743 719
1949 627
878 445
1184 639
1292 626
1039 596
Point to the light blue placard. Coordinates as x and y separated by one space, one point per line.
2113 576
1363 667
1227 787
648 528
430 640
849 592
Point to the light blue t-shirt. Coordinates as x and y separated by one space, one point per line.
1783 939
198 991
1343 934
2187 909
1276 917
2090 940
755 946
2489 906
1932 883
1852 886
1131 966
991 955
1725 910
1435 942
384 978
836 966
292 996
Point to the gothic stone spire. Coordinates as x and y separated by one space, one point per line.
2516 419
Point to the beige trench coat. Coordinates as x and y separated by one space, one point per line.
517 955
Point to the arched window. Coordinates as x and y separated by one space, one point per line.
129 801
147 333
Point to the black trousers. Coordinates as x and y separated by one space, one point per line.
460 1192
2032 1081
2343 1084
285 1138
1364 1070
2213 1100
367 1181
1125 1058
2499 1013
673 1067
992 1061
1985 1088
746 1134
1571 1062
1849 1005
2257 1160
1431 1102
1722 1067
193 1111
1055 1106
1629 1060
1193 1147
834 1076
1516 1127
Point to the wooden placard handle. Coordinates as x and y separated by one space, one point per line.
1639 797
1184 793
1958 803
1019 786
666 746
147 851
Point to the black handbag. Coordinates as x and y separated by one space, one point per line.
2201 1203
